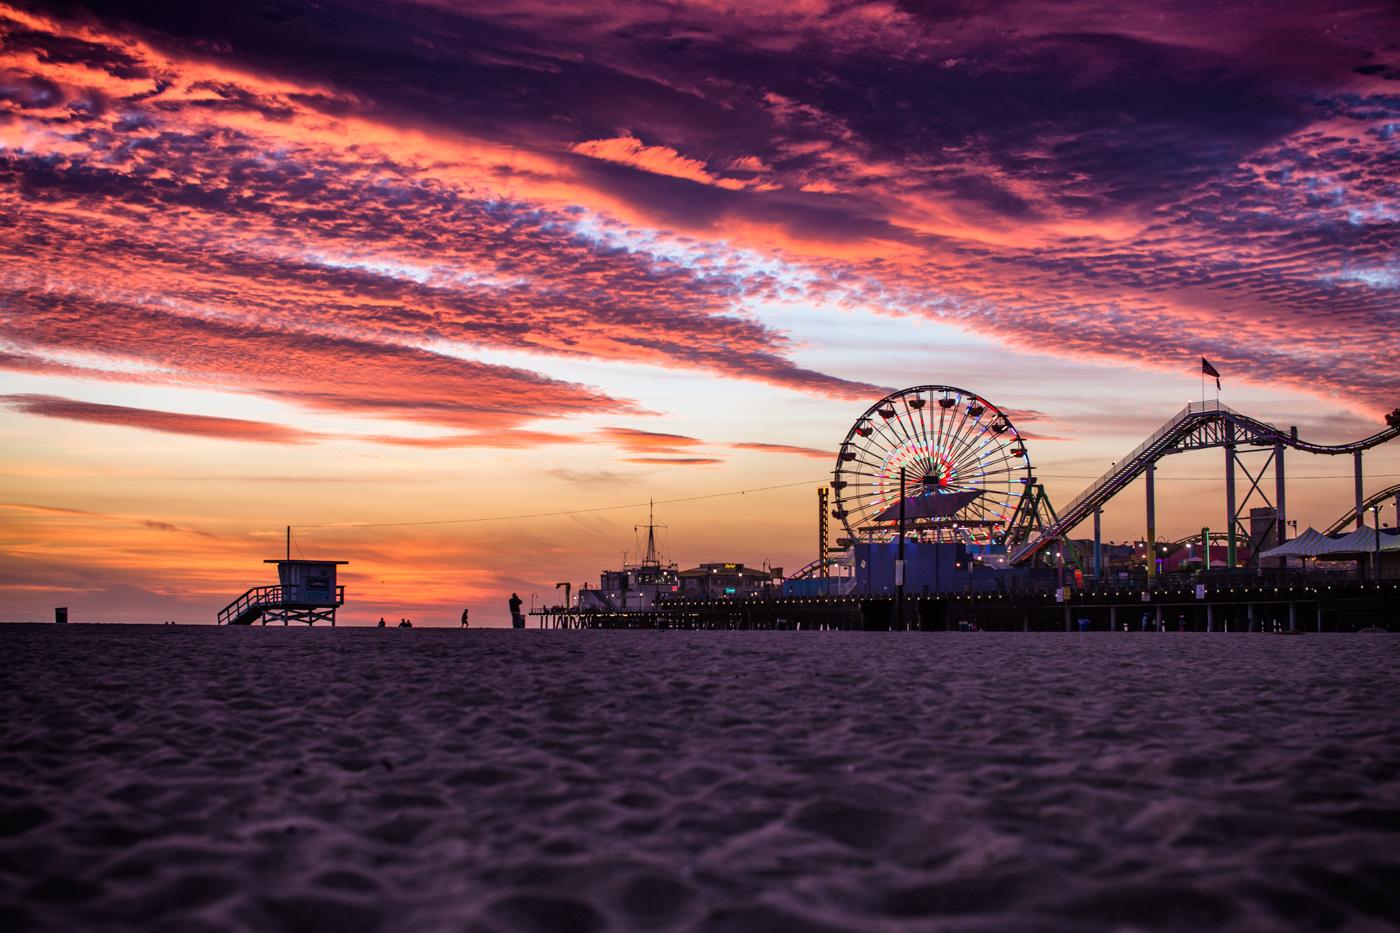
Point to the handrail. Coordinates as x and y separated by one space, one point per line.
260 595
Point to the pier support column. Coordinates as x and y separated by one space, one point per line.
1250 612
1280 495
1293 617
1098 544
1113 618
1161 627
1210 618
1230 495
1319 618
1360 496
1151 479
1069 620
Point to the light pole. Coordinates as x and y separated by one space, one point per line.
899 562
1376 564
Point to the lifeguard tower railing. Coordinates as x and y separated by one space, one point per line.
267 600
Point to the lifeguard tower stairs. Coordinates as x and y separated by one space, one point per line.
306 592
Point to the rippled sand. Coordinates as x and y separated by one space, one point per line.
183 778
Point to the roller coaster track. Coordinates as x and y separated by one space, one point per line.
1198 426
1171 547
814 568
1349 517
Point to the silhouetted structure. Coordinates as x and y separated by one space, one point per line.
306 592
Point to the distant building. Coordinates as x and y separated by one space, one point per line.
726 581
636 586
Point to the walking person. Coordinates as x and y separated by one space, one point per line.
465 624
516 619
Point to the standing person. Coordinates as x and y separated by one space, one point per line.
381 621
465 624
516 619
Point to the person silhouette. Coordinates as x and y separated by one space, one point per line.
465 623
381 621
516 619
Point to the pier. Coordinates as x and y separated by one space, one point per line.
1276 603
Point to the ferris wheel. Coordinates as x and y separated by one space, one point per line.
965 466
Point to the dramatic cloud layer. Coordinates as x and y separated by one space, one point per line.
396 186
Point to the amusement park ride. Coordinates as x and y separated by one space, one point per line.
940 464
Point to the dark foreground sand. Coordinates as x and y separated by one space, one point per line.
159 778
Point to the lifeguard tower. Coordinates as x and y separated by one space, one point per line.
306 592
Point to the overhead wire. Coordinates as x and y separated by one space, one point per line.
560 513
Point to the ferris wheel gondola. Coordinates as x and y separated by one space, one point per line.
965 464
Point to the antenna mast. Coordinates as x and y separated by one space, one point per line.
651 531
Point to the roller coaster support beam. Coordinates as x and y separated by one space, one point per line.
1205 548
1098 544
1279 494
1230 516
1360 512
1151 472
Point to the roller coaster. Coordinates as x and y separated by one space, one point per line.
1391 493
1198 426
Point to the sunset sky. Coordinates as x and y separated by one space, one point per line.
353 264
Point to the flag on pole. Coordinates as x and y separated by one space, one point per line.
1210 370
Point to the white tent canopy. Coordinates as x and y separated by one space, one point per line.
1362 541
1308 544
1313 543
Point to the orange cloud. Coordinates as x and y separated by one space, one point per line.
236 429
639 441
659 160
673 461
812 452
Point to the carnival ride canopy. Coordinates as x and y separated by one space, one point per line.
929 505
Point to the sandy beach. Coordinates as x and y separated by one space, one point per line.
161 778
